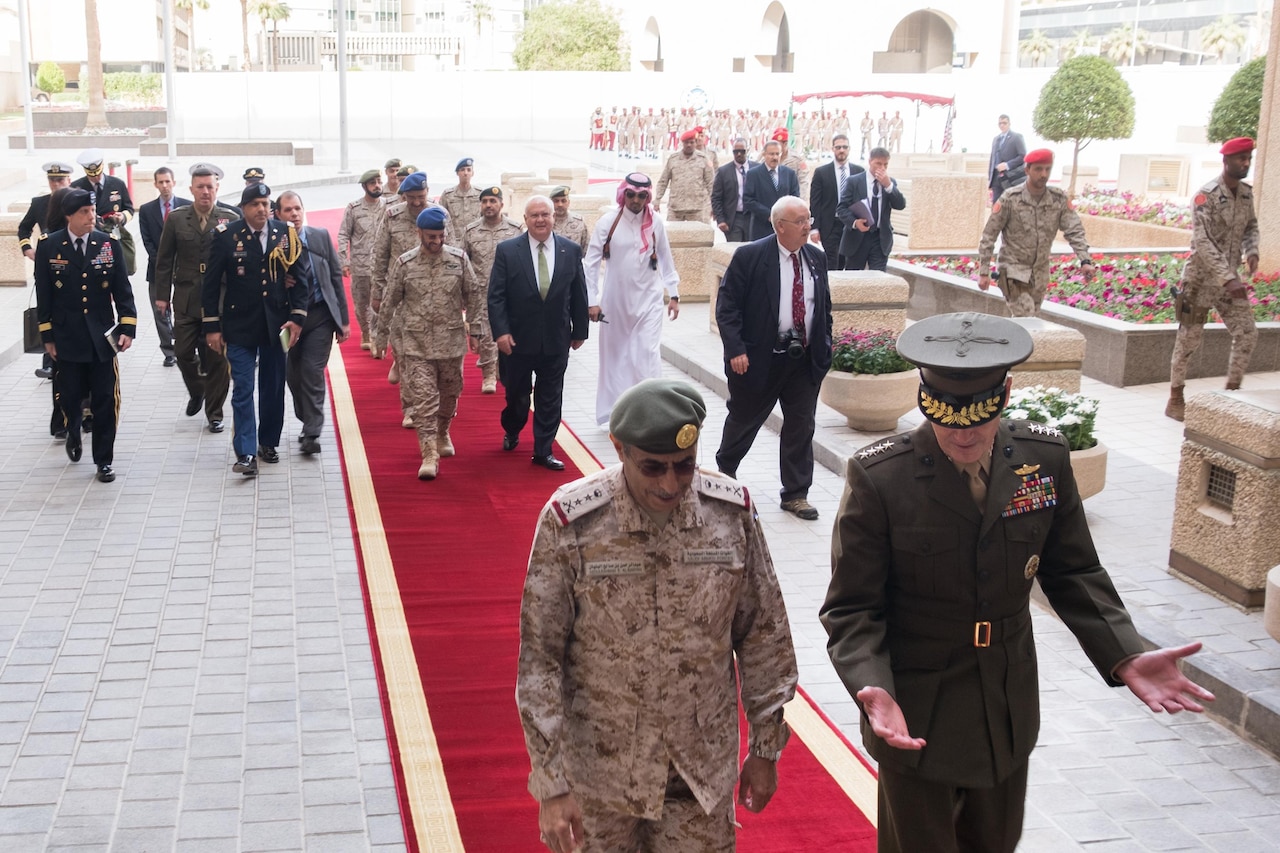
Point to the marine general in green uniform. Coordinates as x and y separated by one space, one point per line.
940 534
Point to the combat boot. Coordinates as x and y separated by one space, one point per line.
444 444
1233 384
490 383
1177 406
430 461
407 421
393 375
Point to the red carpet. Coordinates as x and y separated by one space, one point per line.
459 546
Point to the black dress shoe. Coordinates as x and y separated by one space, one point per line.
44 372
170 360
73 446
215 426
193 406
311 445
86 425
549 462
105 474
268 454
246 465
509 441
60 435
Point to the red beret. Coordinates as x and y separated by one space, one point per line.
699 129
779 135
1040 155
1239 145
688 134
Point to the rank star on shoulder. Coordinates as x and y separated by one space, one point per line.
1041 429
875 450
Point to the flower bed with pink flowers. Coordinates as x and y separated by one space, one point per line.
1135 208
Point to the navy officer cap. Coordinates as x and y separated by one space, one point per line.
658 416
253 192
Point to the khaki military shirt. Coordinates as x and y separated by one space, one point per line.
1029 225
480 243
426 294
1224 229
574 227
357 232
397 233
690 181
464 208
183 254
629 636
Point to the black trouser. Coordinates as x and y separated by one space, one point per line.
790 383
305 370
917 814
547 393
102 378
868 255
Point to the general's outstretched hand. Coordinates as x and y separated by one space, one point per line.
1154 678
886 718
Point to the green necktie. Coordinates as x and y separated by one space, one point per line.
544 274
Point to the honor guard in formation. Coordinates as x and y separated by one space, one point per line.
1027 218
1224 230
84 305
58 174
650 608
182 258
941 533
252 317
426 290
111 201
567 223
461 201
355 248
688 175
480 241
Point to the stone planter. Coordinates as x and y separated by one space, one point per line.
1090 467
871 403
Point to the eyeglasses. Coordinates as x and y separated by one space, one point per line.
654 469
644 194
841 147
797 221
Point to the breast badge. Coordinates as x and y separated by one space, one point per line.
1033 565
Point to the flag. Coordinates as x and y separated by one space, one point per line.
791 111
946 131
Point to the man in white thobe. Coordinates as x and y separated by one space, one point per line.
628 266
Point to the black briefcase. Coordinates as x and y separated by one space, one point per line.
31 341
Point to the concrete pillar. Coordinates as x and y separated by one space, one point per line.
691 244
1056 358
1266 195
14 268
868 299
1271 615
575 178
948 212
521 190
717 262
1009 37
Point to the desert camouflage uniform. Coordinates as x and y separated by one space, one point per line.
1224 229
690 181
355 246
464 208
629 637
425 295
801 167
1028 225
574 227
397 233
480 243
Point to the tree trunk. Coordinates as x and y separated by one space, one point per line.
244 30
275 35
1075 163
193 61
97 119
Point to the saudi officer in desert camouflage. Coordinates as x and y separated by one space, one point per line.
566 223
650 595
480 239
426 288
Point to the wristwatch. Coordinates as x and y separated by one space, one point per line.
767 756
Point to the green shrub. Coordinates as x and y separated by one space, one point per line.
133 86
49 78
1236 111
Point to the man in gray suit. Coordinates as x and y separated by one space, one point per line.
326 318
1006 169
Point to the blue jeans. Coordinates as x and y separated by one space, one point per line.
265 432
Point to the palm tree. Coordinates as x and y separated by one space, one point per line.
244 30
274 11
1123 46
1222 35
1036 47
481 11
97 118
1080 44
189 7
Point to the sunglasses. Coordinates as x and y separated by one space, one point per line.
633 194
739 151
654 469
842 147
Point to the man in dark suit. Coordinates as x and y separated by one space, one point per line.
766 182
941 534
824 195
111 200
321 277
81 289
1006 169
58 174
866 209
537 313
727 195
770 360
252 317
151 219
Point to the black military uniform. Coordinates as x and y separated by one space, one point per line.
111 196
78 298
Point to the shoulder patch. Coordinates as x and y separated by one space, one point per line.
1199 199
581 497
713 484
995 208
882 450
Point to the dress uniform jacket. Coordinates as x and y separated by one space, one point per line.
922 579
37 214
182 256
79 300
114 198
244 295
629 638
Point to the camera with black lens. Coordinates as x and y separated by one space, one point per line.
792 343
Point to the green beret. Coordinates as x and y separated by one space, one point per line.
405 171
560 191
370 175
393 163
658 416
491 192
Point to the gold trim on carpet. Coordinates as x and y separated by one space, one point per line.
434 821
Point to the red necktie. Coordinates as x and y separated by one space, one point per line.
797 299
166 211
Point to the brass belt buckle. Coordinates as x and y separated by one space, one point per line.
981 634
